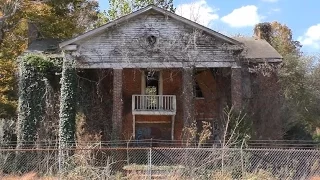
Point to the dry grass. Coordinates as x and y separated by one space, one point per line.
141 176
27 176
315 178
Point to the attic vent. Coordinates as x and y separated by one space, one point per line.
151 40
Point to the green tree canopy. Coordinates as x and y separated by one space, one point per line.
120 8
52 18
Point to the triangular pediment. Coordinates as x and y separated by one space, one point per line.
153 37
147 11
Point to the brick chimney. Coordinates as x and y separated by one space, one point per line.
263 31
33 32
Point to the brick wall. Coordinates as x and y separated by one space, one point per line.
117 104
265 107
236 88
264 104
207 107
172 85
131 85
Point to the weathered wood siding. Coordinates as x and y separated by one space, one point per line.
177 45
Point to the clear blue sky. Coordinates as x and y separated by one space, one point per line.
233 17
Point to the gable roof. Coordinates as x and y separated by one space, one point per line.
141 11
258 49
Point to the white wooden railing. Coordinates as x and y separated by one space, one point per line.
154 104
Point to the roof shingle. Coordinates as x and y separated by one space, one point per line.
258 49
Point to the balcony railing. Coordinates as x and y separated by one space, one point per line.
154 104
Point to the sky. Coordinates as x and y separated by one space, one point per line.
238 17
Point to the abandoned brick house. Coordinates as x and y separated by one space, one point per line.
167 71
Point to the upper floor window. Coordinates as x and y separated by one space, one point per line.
152 82
197 90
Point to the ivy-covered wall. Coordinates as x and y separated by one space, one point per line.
59 103
35 71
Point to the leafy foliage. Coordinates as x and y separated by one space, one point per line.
33 77
279 36
31 90
52 18
67 103
120 8
102 18
165 4
7 90
298 78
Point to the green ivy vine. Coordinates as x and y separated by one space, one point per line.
67 103
34 71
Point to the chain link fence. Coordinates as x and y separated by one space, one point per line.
161 163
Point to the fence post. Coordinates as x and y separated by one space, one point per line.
242 162
150 163
242 158
59 160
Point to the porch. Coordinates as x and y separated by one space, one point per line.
154 105
160 107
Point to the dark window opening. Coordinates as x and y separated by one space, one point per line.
197 90
152 88
152 82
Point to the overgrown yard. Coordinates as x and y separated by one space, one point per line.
160 163
136 176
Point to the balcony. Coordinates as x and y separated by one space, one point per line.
154 105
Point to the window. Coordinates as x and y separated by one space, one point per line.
152 82
197 91
151 87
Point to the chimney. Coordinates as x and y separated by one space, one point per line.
33 32
263 31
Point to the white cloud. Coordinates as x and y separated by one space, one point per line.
271 1
276 9
243 17
198 11
312 37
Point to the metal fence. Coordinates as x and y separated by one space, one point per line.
162 163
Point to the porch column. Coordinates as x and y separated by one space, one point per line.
236 88
187 96
117 105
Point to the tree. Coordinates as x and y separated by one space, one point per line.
298 77
102 18
52 19
7 10
279 36
282 40
165 4
120 8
